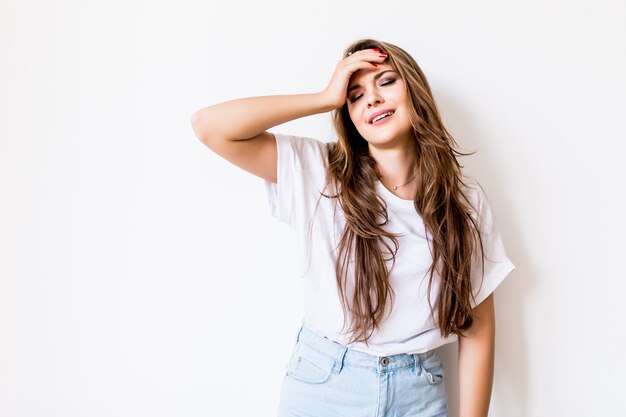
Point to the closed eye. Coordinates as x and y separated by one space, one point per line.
387 82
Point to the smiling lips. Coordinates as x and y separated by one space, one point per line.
388 112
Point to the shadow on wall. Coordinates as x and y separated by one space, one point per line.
510 385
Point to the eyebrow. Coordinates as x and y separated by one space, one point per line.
377 76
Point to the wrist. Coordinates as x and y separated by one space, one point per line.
328 102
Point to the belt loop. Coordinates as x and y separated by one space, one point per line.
299 331
418 363
339 360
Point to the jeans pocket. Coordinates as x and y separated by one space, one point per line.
431 368
310 366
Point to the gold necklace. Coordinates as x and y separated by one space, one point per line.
395 187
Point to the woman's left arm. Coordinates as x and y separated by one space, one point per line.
476 356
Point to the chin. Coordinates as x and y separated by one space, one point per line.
381 139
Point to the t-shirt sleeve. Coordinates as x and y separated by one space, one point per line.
300 165
497 264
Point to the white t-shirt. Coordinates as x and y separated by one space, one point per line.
409 328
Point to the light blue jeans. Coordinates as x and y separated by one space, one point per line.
326 379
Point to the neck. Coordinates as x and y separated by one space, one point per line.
395 165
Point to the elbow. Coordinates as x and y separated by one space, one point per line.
194 120
198 128
207 127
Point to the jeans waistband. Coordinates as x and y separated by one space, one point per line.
350 357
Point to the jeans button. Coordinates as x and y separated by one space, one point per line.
384 361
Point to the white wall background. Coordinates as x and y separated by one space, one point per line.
142 275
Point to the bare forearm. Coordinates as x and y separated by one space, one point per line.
247 117
475 379
476 362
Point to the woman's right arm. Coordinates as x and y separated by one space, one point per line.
237 129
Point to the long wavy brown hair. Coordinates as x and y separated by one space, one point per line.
446 211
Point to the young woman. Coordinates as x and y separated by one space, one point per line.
399 250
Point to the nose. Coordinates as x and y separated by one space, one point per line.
374 98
